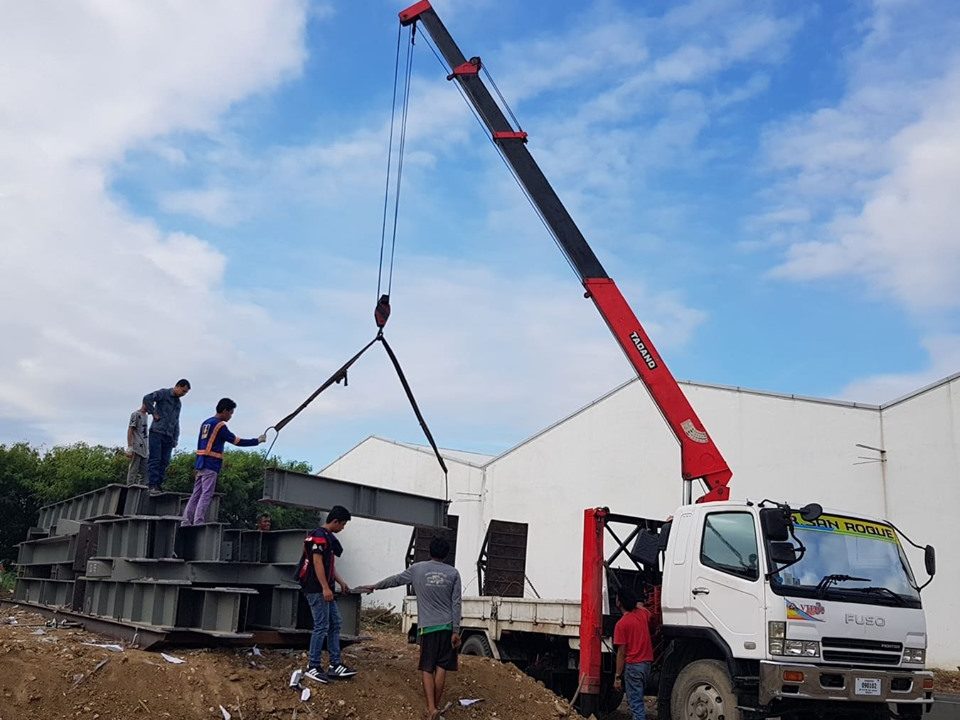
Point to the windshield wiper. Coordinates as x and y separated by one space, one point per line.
882 590
827 580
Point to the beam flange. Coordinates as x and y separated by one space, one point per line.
286 487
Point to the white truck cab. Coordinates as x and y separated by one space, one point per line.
816 615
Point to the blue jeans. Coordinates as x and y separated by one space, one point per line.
634 680
326 626
161 447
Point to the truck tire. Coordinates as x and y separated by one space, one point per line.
476 645
704 691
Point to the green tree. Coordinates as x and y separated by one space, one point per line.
75 469
30 479
20 470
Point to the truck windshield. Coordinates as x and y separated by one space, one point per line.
849 559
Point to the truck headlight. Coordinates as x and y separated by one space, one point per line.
796 648
811 648
914 655
776 629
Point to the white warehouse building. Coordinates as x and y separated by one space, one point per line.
900 461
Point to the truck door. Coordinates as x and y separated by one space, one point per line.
726 592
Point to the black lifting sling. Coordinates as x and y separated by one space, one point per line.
382 310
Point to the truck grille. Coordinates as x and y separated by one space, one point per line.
862 652
853 644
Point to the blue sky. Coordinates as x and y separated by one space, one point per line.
197 191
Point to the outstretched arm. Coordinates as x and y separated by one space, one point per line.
404 578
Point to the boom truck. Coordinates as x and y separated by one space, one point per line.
761 610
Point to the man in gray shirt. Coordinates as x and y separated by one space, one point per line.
137 446
164 405
437 587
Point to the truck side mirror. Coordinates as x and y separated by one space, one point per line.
775 523
811 512
783 553
930 560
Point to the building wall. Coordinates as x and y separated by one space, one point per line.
922 440
619 453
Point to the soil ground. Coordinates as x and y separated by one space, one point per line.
50 673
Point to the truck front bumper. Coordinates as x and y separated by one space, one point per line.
826 682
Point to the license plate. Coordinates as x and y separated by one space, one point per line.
867 686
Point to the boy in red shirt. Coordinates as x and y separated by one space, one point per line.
634 651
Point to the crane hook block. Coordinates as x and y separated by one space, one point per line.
382 312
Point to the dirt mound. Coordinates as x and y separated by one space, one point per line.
50 674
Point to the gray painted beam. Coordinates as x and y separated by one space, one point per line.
286 487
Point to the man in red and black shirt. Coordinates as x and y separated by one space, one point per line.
317 574
634 651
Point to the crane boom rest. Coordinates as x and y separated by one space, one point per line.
700 458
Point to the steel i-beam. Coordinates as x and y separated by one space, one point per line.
286 487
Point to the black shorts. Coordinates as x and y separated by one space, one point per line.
436 650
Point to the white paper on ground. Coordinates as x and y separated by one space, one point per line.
468 702
295 677
226 715
256 651
305 695
172 659
106 646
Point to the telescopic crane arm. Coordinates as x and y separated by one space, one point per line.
700 458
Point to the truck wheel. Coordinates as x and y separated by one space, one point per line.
476 645
703 691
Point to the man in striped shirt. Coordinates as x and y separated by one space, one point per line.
214 434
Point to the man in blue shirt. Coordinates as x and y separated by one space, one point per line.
164 405
214 434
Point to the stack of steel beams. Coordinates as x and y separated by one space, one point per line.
119 555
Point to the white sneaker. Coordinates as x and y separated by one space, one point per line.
317 675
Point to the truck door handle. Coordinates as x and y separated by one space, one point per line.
701 591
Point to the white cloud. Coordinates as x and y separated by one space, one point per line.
944 359
870 181
215 205
903 239
875 173
111 305
474 342
99 306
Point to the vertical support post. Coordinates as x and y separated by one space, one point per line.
591 610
